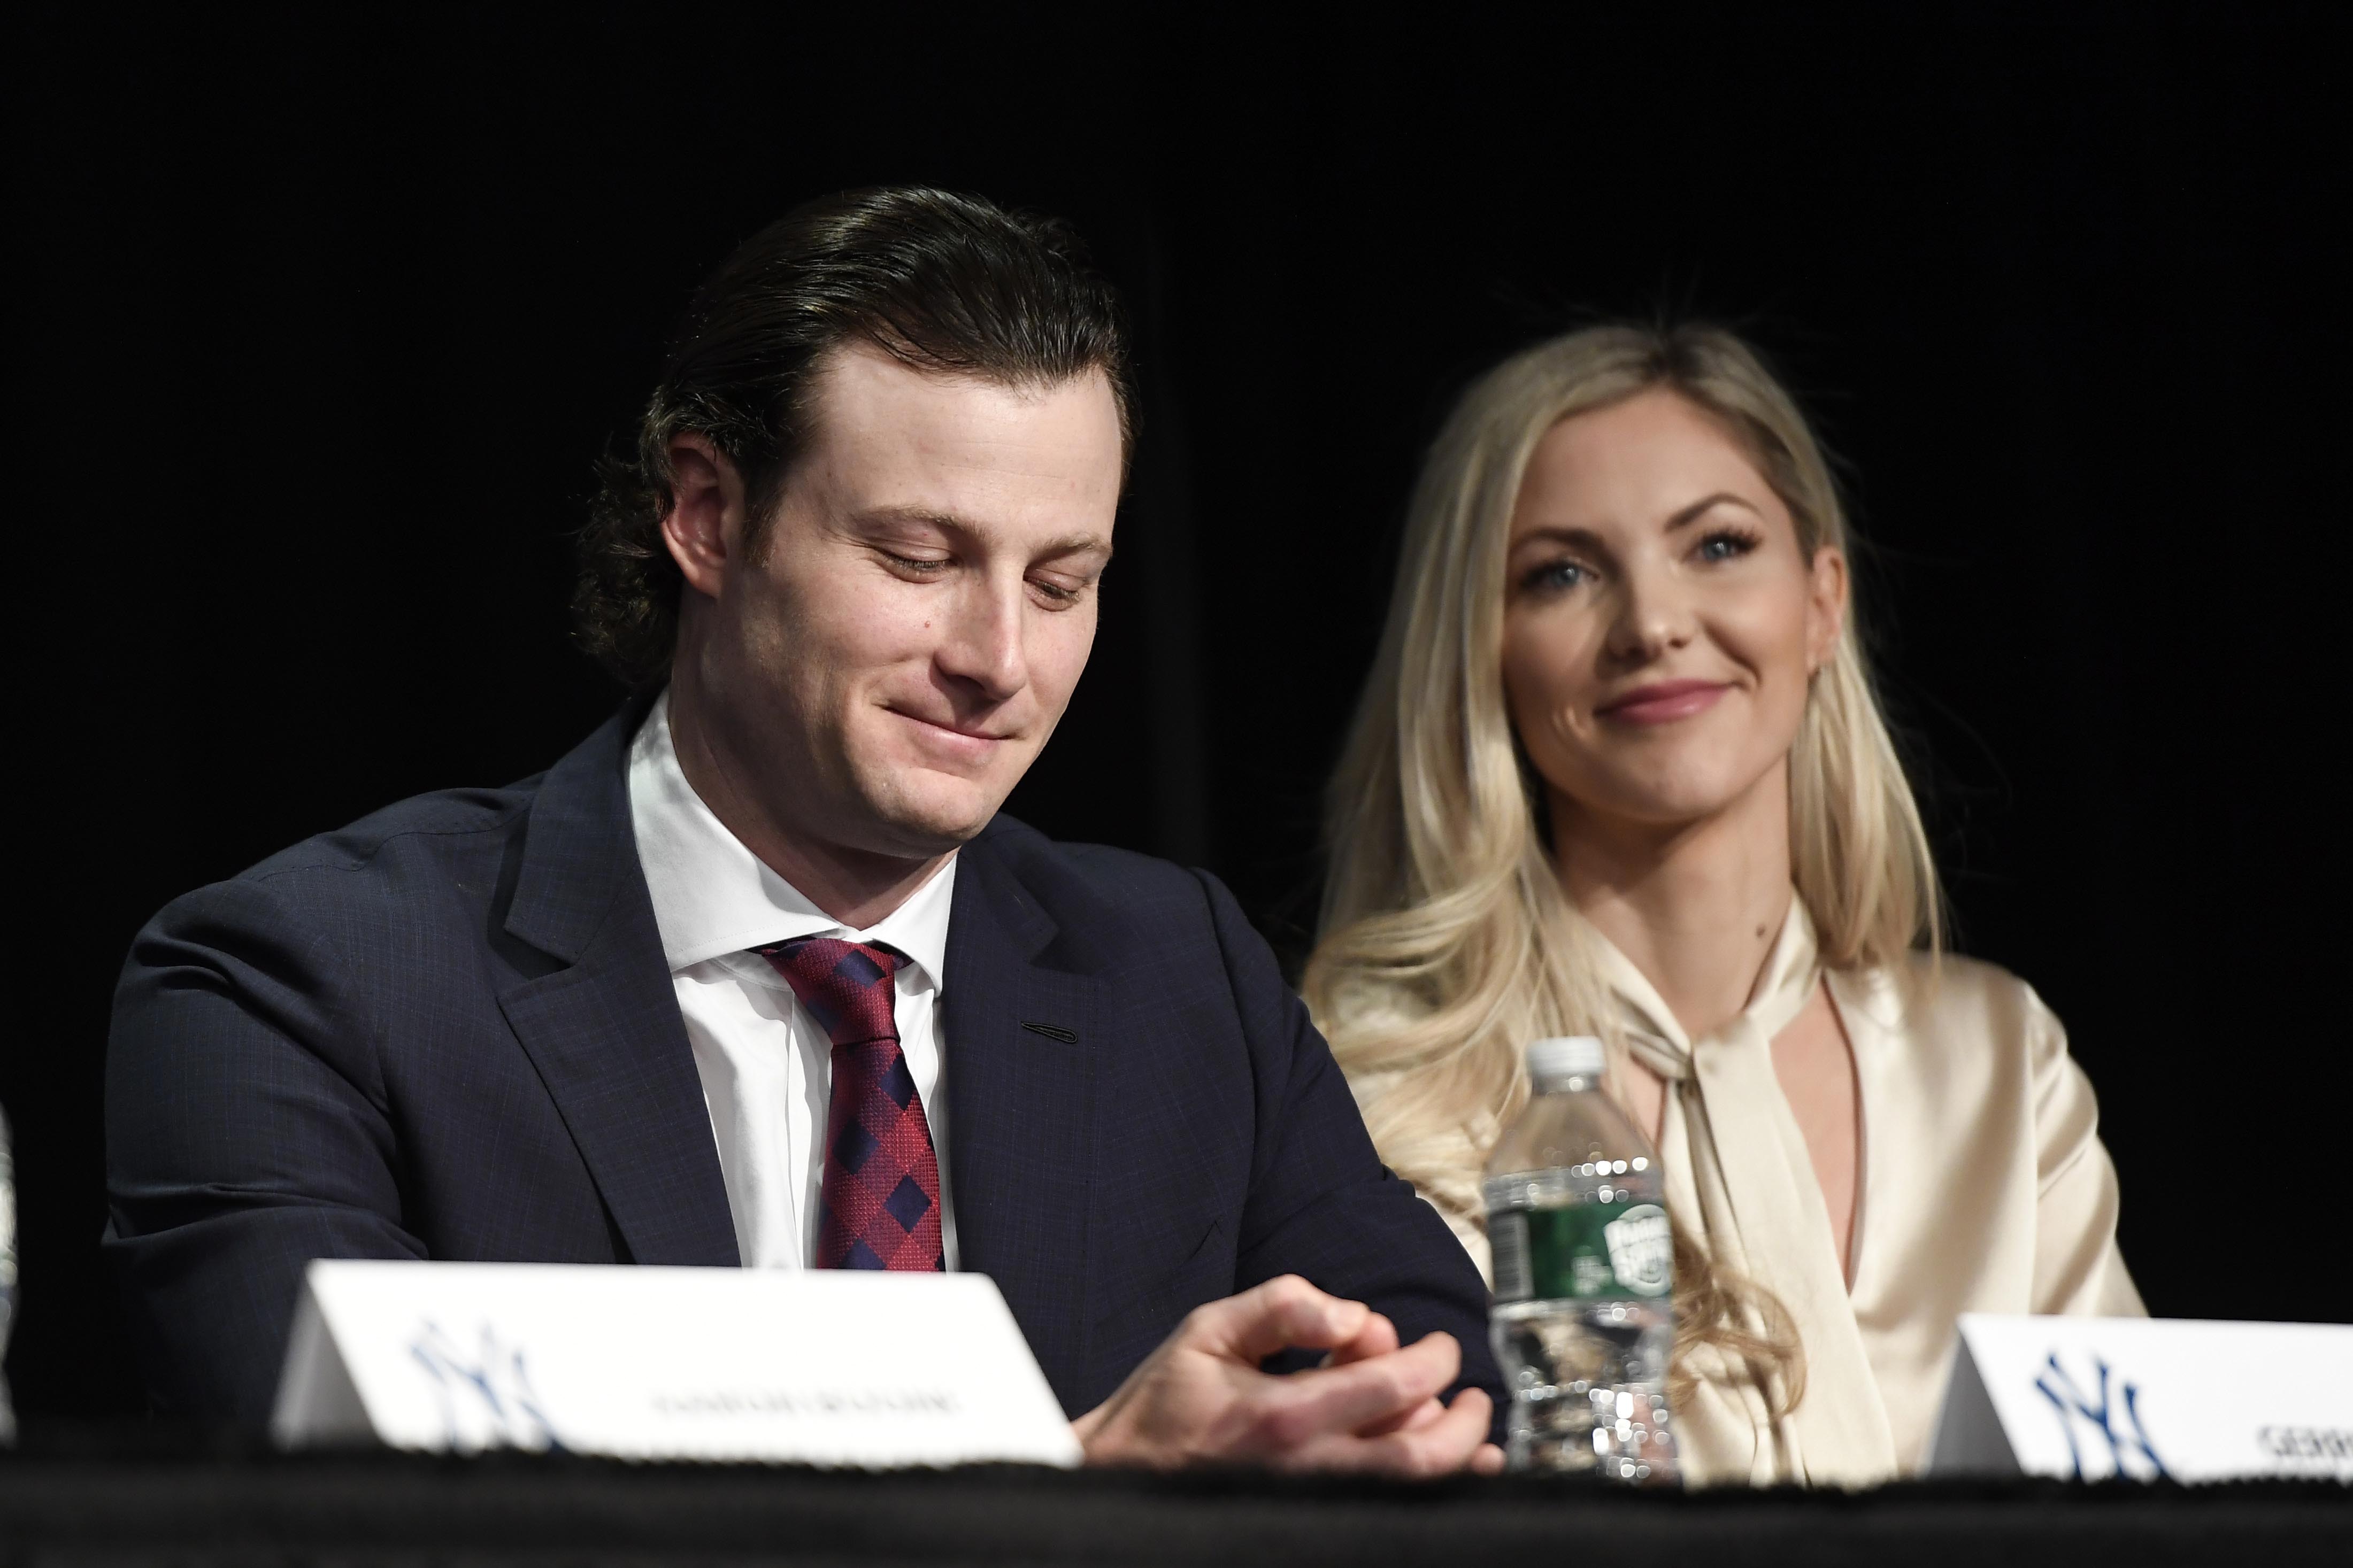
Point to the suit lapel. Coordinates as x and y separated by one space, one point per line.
1022 1108
604 1029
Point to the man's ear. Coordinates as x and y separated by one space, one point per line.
1826 607
704 527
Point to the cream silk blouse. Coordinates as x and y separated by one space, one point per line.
1981 1187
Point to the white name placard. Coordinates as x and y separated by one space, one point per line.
2146 1398
828 1367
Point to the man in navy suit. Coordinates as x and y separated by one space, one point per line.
759 975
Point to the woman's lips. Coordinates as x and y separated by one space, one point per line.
1664 702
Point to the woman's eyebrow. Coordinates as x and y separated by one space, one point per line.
1555 532
1700 508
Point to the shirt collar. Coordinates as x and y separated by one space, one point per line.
714 897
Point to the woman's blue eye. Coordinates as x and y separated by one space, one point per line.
1556 574
1722 547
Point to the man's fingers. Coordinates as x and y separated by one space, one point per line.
1376 1337
1442 1447
1422 1415
1343 1401
1284 1313
1360 1396
1455 1441
1200 1397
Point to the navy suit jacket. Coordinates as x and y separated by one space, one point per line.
449 1031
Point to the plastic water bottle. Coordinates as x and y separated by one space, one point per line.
1584 1323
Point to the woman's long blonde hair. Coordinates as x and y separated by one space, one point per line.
1447 943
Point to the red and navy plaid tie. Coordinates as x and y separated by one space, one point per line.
879 1205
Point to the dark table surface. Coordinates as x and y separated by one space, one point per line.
132 1497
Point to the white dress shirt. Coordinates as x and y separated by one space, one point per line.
767 1066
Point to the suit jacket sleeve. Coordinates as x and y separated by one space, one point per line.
248 1131
1321 1203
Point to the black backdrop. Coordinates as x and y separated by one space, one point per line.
321 319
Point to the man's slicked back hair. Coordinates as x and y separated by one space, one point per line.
945 283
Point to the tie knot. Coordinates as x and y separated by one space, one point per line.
844 985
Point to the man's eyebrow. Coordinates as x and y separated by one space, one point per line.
1073 545
921 516
1700 508
1069 544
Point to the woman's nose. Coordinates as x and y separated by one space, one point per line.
1652 617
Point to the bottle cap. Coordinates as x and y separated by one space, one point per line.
1567 1055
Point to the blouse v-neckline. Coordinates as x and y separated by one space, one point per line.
1740 1171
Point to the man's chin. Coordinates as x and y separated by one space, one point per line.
930 814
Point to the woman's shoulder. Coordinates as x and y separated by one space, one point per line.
1950 1006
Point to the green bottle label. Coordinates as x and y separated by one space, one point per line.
1579 1252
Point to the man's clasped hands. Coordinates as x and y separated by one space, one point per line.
1371 1406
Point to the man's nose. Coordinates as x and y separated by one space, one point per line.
982 647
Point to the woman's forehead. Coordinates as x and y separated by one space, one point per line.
1640 463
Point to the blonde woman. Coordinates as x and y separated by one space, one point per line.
1620 771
